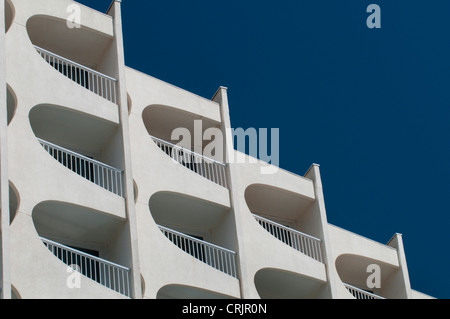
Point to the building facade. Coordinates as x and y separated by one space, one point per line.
98 200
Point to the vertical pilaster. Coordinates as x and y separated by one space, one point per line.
4 180
399 284
246 281
116 13
322 224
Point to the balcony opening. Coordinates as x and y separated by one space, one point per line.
286 216
353 272
129 103
14 293
87 239
280 284
82 143
11 103
188 292
185 138
135 191
84 55
9 14
200 228
142 285
13 202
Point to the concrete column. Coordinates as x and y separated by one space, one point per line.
4 180
399 285
115 12
322 224
245 280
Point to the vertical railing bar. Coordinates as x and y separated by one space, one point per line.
308 247
208 254
219 173
97 84
224 178
199 166
221 260
213 172
205 174
101 87
216 170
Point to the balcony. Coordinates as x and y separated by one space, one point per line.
88 238
304 243
286 215
189 139
217 257
199 164
108 274
87 145
103 175
200 228
94 81
85 55
353 273
367 265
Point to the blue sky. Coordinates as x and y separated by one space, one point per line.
371 106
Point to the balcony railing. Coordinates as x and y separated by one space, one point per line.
106 273
361 294
96 82
202 165
306 244
105 176
217 257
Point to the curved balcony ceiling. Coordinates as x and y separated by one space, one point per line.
280 284
352 269
176 209
68 128
72 222
160 121
275 202
82 45
186 292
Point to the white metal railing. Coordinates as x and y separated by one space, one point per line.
202 165
215 256
304 243
94 81
103 175
361 294
106 273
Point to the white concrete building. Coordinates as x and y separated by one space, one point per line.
91 177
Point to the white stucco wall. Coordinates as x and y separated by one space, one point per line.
137 242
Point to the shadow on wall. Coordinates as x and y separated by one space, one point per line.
9 14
